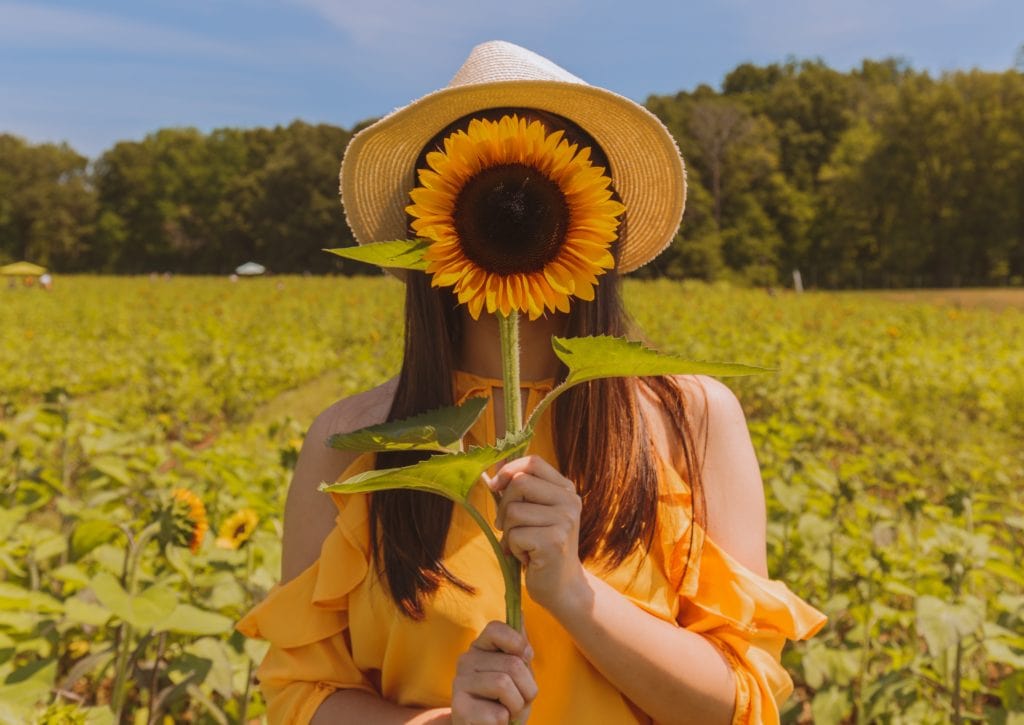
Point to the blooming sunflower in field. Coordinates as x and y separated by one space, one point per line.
237 529
518 219
184 520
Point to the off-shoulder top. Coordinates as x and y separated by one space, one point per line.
334 626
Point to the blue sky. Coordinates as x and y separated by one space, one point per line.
93 73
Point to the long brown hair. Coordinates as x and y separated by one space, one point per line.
601 439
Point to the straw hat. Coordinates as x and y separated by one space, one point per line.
378 170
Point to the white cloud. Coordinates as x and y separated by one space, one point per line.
43 27
815 25
376 23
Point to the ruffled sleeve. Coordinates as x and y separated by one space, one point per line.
746 616
306 622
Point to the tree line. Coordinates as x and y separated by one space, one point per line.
882 176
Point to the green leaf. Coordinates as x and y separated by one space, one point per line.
186 619
82 611
90 534
831 706
97 715
255 649
20 621
451 475
70 575
113 467
1011 572
30 684
398 254
999 652
9 519
602 356
144 611
50 547
437 430
942 623
590 358
217 654
13 597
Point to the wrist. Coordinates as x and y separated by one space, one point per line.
575 598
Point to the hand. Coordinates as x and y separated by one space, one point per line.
539 512
493 681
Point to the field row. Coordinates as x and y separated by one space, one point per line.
889 438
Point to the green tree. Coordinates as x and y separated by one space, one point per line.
47 204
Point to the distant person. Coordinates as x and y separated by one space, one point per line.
638 514
46 281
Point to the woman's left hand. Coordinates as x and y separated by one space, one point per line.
539 511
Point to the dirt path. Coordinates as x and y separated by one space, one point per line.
304 402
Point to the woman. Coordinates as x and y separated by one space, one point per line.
638 513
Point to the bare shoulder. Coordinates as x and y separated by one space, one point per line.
357 411
704 398
730 473
307 520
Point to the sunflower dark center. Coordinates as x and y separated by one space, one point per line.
511 218
239 530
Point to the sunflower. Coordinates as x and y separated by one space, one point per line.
188 519
237 529
518 219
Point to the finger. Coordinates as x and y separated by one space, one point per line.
529 489
497 686
499 637
538 544
533 465
515 667
526 513
472 710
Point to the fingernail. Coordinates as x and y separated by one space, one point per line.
528 653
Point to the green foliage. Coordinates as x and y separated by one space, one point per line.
452 475
104 409
47 206
591 358
438 430
397 254
888 436
882 176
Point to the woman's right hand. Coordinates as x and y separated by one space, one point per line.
493 680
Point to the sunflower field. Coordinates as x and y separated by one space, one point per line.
148 428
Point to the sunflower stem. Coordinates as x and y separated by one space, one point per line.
509 569
508 327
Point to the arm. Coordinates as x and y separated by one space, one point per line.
355 706
493 683
308 514
494 676
673 674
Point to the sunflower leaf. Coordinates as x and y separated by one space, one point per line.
590 358
515 444
397 254
603 356
438 430
451 475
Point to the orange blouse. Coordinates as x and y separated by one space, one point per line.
334 626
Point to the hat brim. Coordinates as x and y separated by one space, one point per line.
378 169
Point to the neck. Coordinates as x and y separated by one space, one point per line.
480 352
